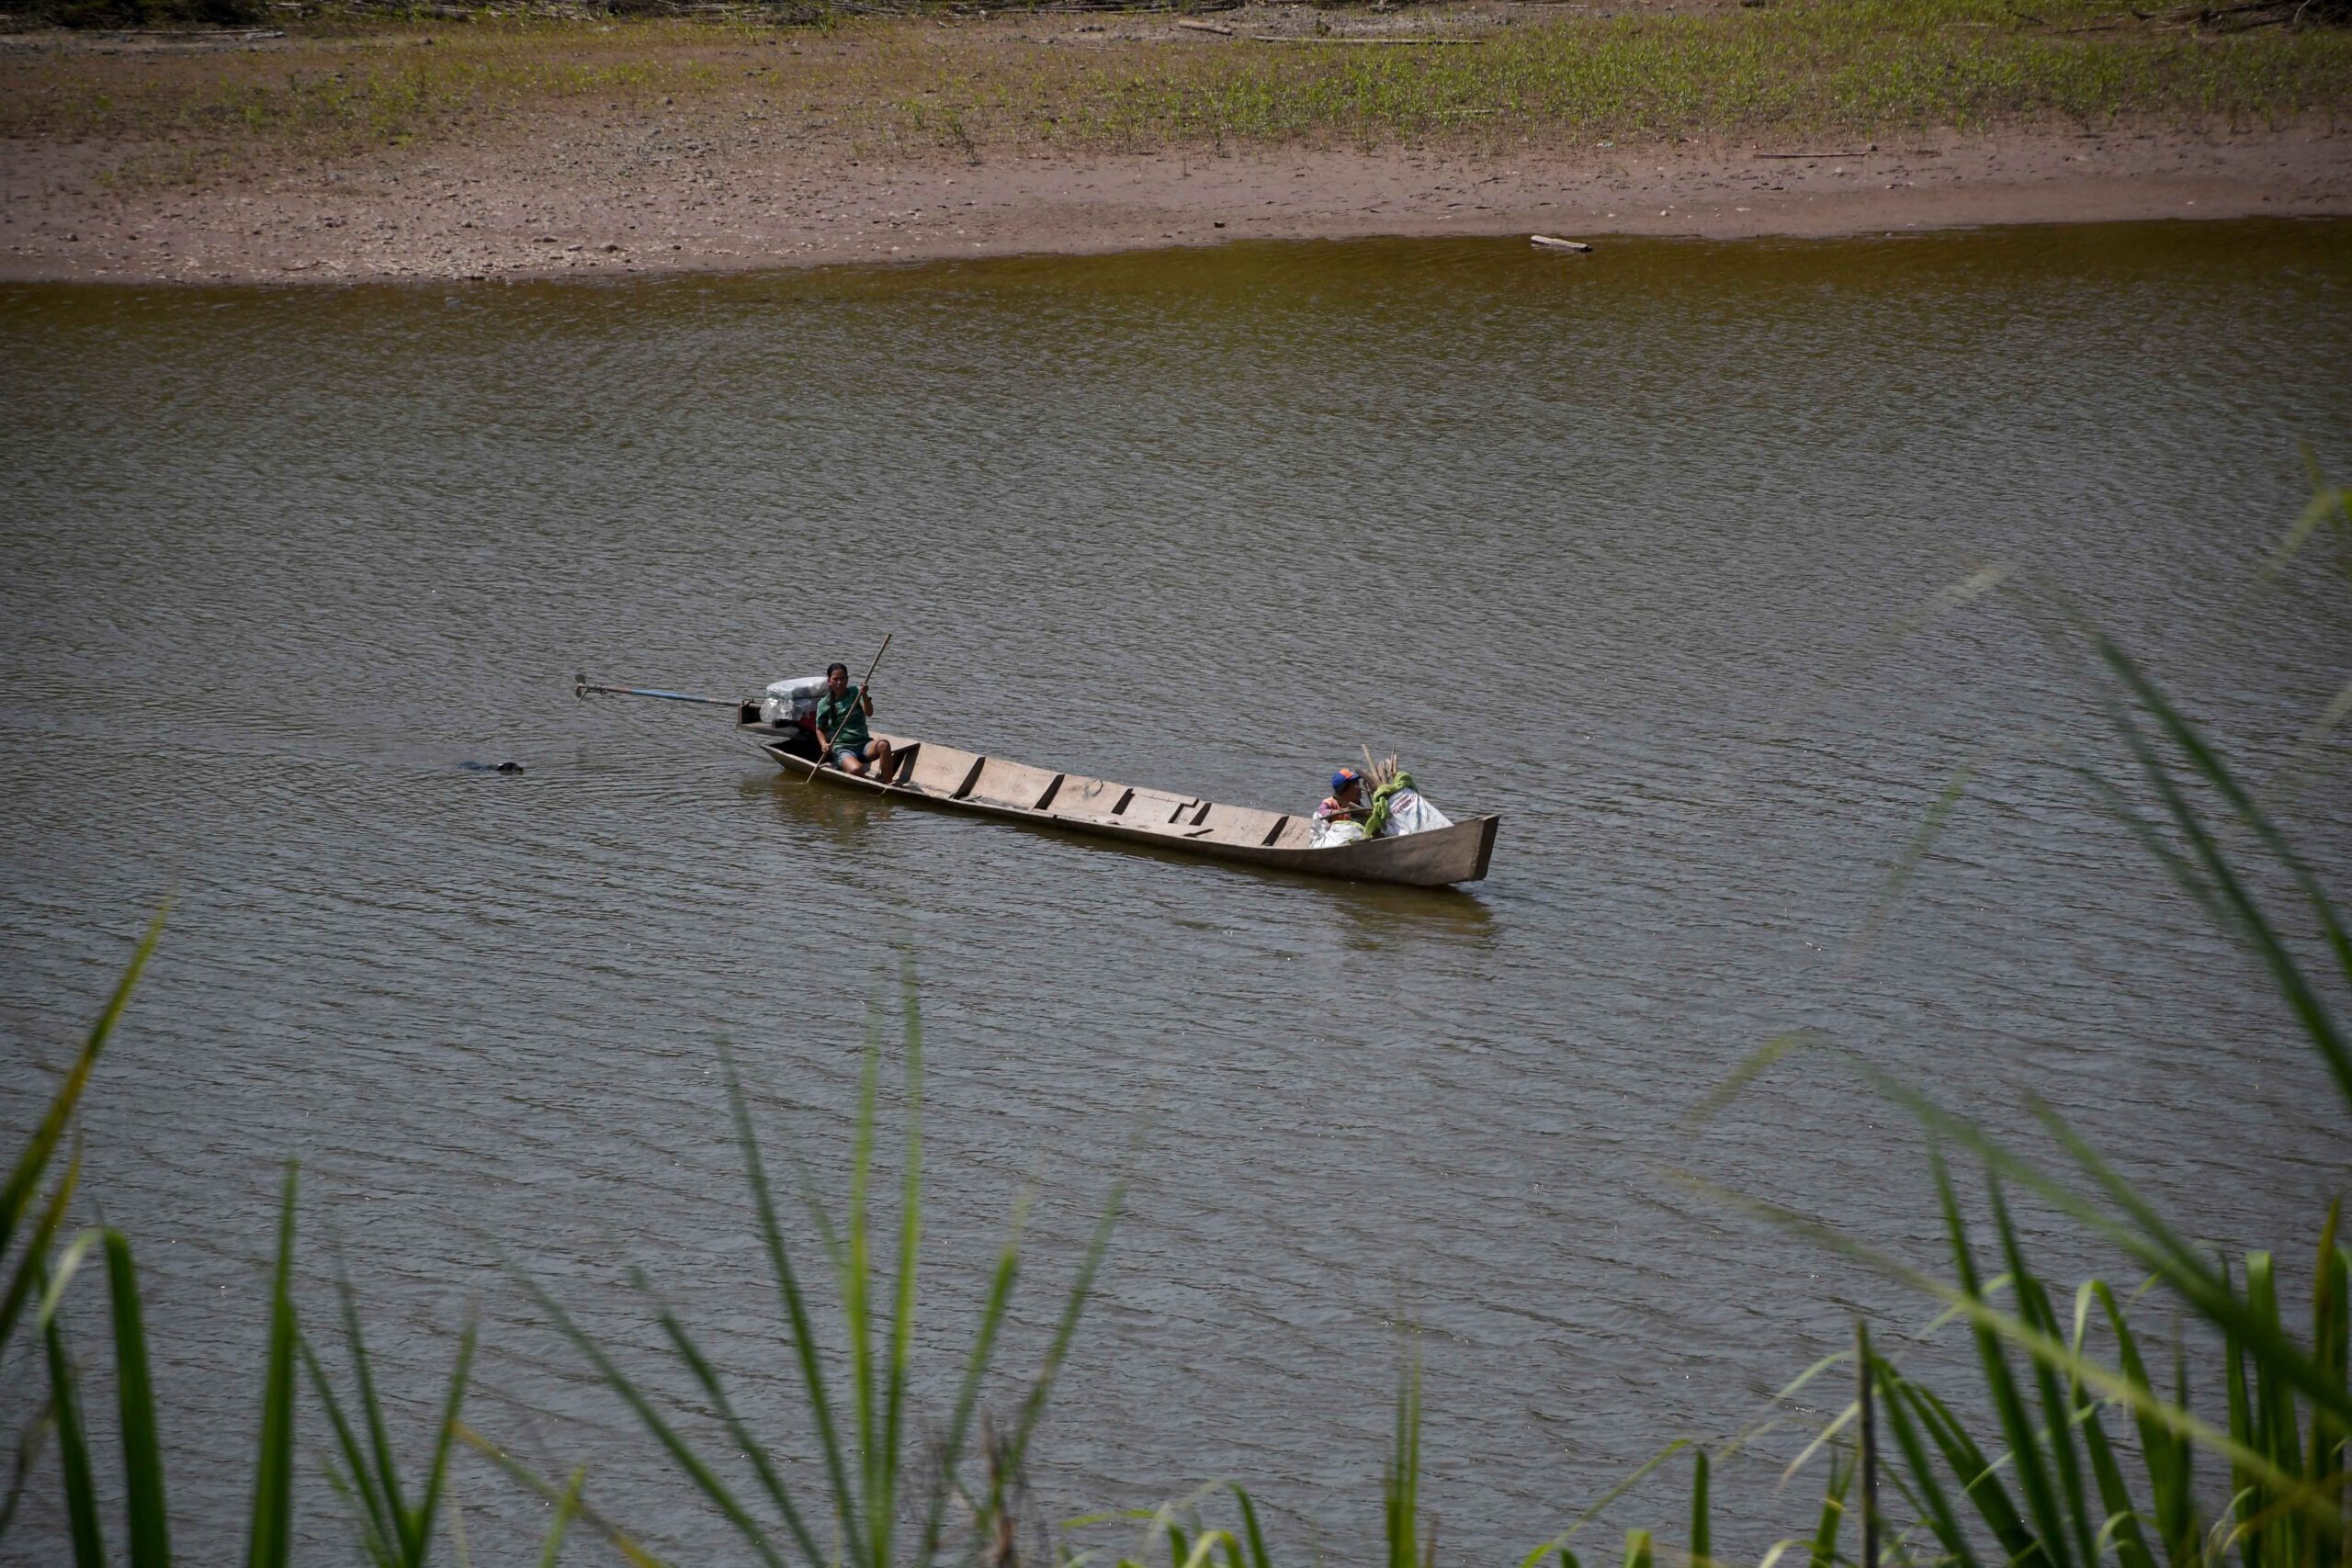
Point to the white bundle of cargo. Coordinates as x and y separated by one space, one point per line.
1408 813
792 700
1330 832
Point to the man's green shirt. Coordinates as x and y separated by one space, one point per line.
843 719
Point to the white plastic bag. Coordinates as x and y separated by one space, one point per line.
793 699
1408 813
1332 831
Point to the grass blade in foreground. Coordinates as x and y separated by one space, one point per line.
968 1397
377 1530
32 1266
531 1482
2056 1432
697 1470
25 1178
1033 1409
30 1277
566 1505
417 1541
2252 925
1250 1527
2008 1405
856 1273
390 1504
2207 763
866 1477
1559 1543
392 1533
1940 1516
272 1541
2170 1460
1401 1486
1702 1534
73 1451
795 1306
143 1460
1833 1514
705 1373
29 1441
902 1311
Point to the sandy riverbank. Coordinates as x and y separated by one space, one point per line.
517 151
655 198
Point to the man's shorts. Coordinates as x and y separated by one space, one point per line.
848 754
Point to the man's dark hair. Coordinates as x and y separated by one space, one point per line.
836 665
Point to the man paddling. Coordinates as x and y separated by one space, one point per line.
1345 803
840 726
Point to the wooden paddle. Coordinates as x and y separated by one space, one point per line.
825 741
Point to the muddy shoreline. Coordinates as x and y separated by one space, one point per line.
575 200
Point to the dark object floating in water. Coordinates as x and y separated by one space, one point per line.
473 767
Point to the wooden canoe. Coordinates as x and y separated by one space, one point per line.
990 786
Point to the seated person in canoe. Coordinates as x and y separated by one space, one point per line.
1393 807
1340 819
842 713
1346 802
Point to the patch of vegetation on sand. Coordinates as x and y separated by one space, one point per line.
373 86
1497 75
1886 66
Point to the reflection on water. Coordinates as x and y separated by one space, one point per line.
1585 544
847 817
1376 915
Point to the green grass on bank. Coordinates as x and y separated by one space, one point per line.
1796 69
1792 68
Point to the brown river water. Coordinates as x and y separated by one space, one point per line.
1624 547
